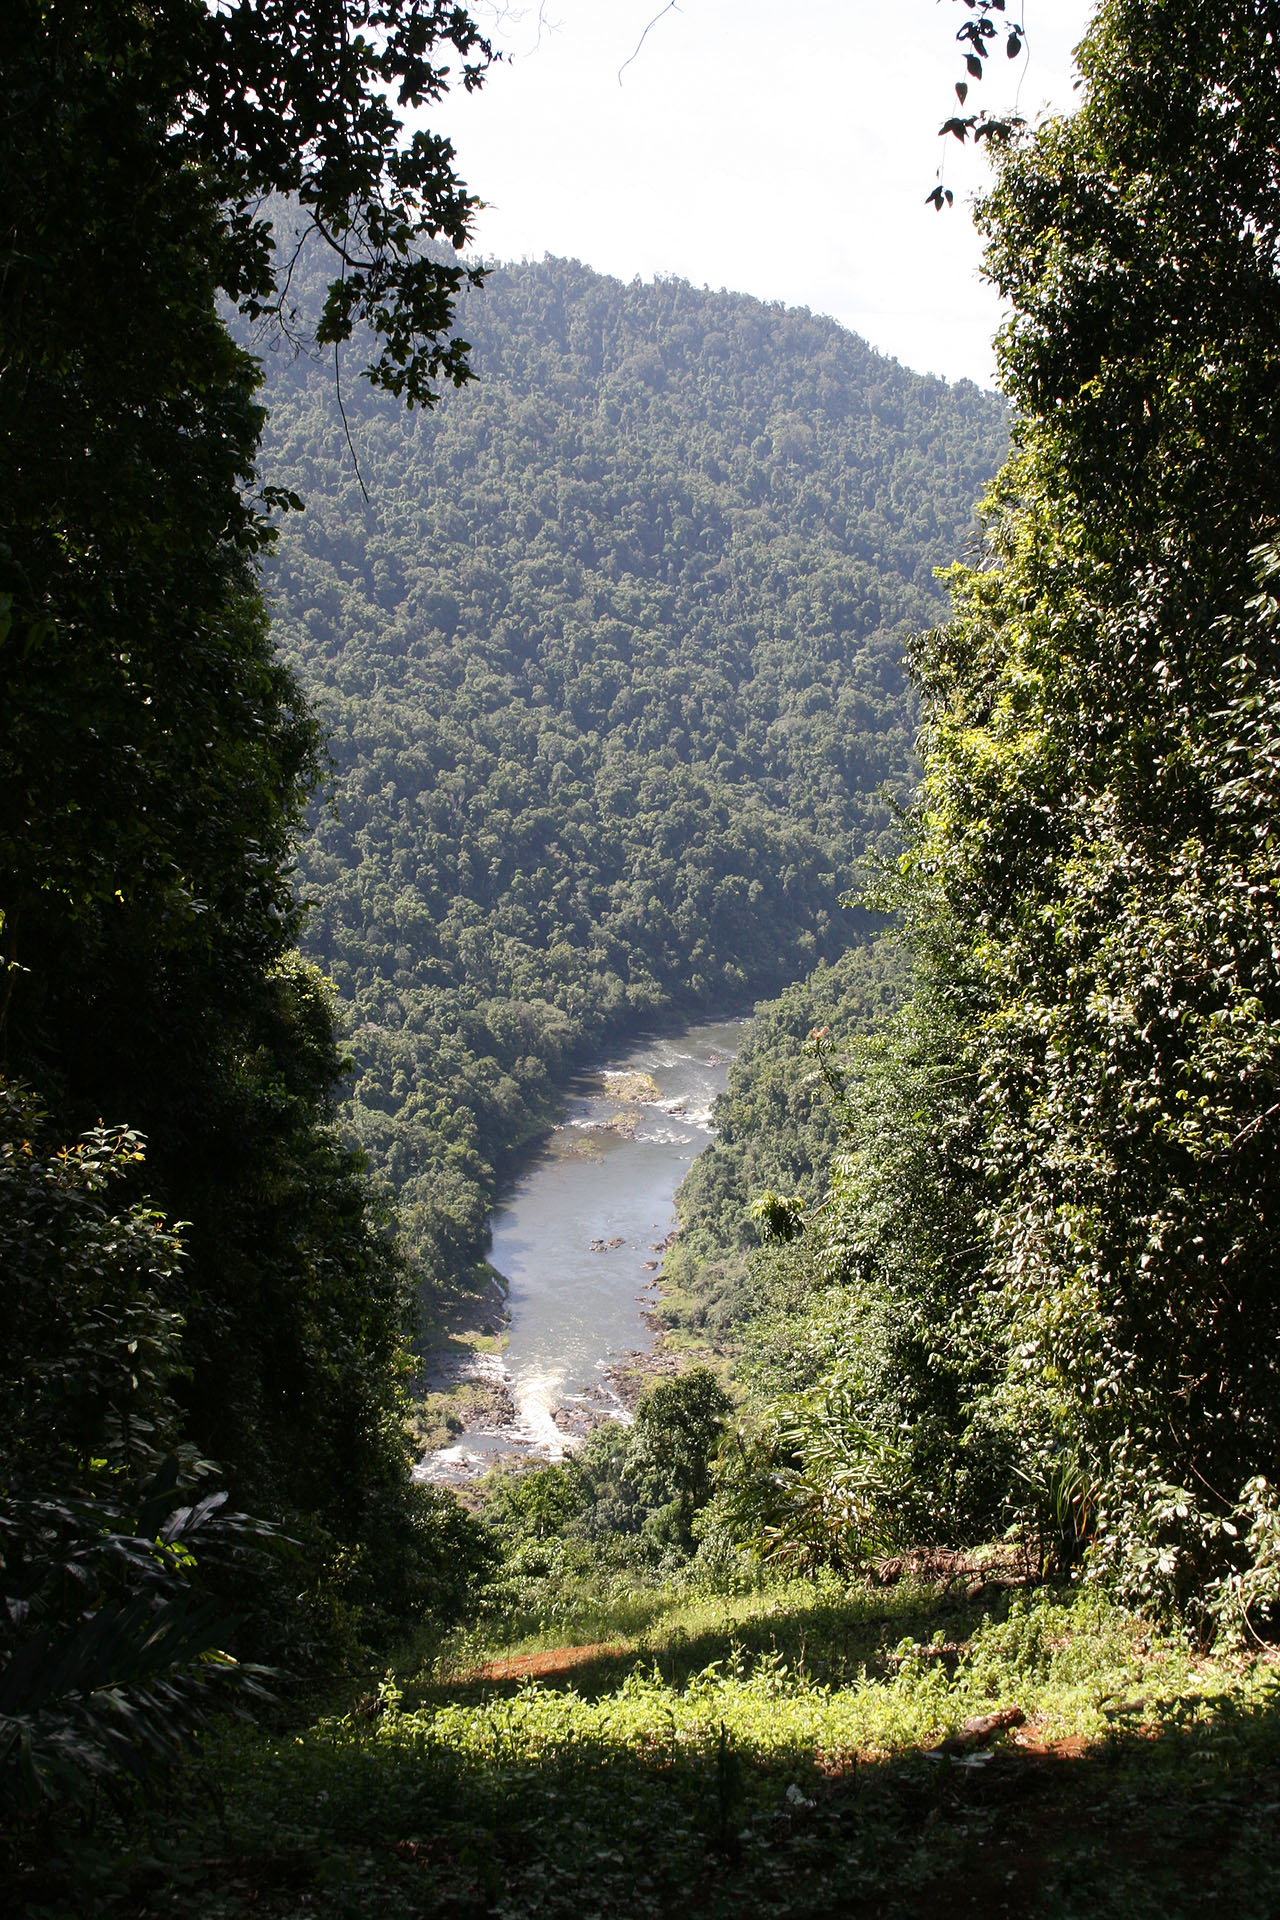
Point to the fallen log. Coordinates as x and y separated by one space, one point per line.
980 1731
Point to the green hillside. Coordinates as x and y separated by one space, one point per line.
611 661
778 1129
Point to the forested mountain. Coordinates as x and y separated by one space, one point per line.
777 1132
611 662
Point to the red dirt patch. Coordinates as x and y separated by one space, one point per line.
538 1666
1072 1746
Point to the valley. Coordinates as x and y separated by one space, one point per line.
639 1014
611 662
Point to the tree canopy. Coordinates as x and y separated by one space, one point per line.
1097 811
1055 1213
156 759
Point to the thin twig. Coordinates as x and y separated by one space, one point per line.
670 7
351 445
1258 1120
330 240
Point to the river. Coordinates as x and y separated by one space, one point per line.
579 1240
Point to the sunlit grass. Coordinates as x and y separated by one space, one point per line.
764 1751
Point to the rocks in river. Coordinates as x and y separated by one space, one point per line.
482 1402
629 1084
495 1406
578 1422
651 1266
662 1246
607 1246
574 1143
463 1393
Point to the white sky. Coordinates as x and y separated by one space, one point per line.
781 148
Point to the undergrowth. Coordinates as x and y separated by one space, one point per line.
764 1751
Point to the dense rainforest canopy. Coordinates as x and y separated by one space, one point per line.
228 1292
611 663
1105 864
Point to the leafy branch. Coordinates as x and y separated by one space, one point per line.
978 40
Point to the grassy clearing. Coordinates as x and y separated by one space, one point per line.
739 1754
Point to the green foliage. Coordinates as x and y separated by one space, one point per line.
222 107
1245 1601
977 39
157 757
1110 857
898 1248
628 1499
776 1129
677 1430
749 1753
808 1485
120 1682
109 1528
543 1503
873 1423
320 103
91 1351
612 664
777 1217
580 1520
1056 1215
